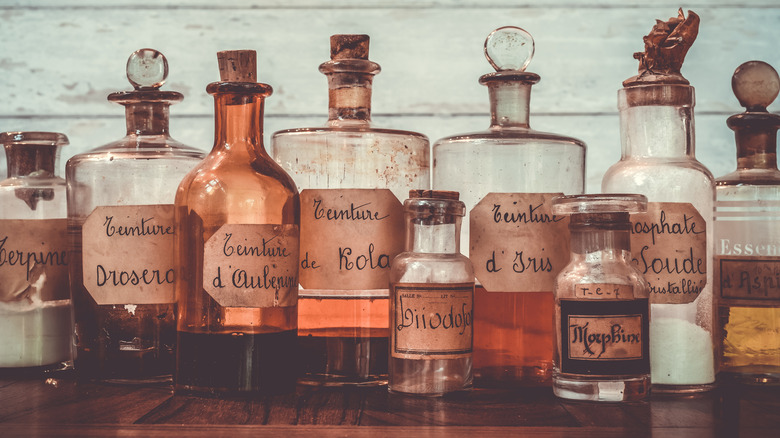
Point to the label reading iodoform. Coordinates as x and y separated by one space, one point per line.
349 237
33 260
516 243
604 337
127 254
432 320
747 260
248 265
669 246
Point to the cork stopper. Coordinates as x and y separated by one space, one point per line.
237 65
349 47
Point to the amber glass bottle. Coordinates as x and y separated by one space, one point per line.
237 217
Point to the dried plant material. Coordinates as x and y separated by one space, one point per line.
665 48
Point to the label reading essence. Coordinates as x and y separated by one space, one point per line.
605 337
669 247
432 321
128 254
747 262
349 237
517 244
248 265
31 251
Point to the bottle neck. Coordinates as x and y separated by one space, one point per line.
509 104
607 235
657 121
26 159
756 138
434 236
147 118
349 98
239 124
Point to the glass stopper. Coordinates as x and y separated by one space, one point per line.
509 48
756 85
147 68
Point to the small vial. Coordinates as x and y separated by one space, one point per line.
431 297
601 304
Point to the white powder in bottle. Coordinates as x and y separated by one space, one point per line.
681 352
35 334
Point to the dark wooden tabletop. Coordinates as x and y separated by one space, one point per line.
61 407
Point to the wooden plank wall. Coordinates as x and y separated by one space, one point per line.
59 60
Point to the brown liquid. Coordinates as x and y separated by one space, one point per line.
246 363
513 338
344 340
750 344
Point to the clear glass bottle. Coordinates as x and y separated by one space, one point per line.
747 236
602 350
35 308
431 300
672 242
507 176
351 176
237 221
120 219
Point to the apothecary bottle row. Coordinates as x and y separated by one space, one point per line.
244 271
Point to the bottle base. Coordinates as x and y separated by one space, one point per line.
602 390
341 380
50 370
752 376
513 377
682 389
343 360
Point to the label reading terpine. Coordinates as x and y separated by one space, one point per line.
432 321
605 337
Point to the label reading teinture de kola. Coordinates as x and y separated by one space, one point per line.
349 237
432 321
669 246
516 243
128 254
33 260
251 265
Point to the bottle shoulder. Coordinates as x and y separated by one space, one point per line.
509 136
140 146
648 175
750 177
354 133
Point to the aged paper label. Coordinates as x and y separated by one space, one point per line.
127 254
605 336
249 265
747 261
517 244
432 320
34 260
349 237
669 246
604 291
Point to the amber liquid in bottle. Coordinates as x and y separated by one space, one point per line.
229 347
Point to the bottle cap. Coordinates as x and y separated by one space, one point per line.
756 85
509 50
434 194
147 70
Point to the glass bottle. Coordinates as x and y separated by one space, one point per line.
507 176
431 300
672 242
237 219
351 176
747 236
35 308
602 351
120 218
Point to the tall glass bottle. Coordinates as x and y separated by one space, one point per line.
747 236
35 308
120 219
431 300
237 220
352 177
601 307
507 176
672 242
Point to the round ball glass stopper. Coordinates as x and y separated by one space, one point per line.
147 68
509 48
756 85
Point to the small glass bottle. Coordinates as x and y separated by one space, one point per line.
672 242
120 218
747 236
237 220
351 176
602 350
431 300
507 176
35 309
